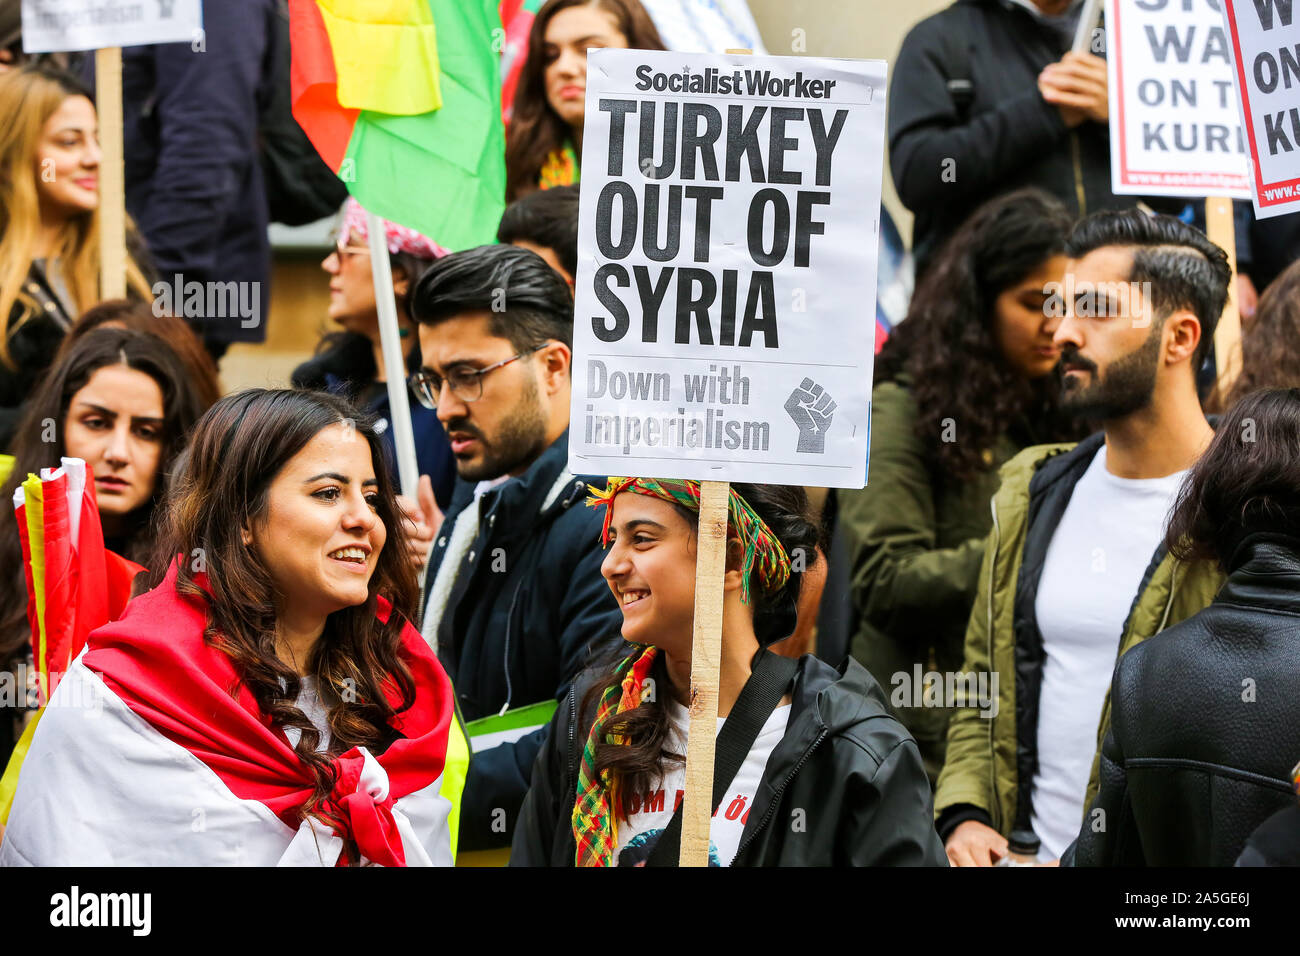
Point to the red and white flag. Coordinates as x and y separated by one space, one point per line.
153 752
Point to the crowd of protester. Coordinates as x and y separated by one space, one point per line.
1072 576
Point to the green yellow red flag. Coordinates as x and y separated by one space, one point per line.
402 99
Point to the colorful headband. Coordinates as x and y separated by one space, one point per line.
399 238
762 549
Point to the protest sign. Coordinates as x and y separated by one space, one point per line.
58 25
1266 55
1174 128
725 295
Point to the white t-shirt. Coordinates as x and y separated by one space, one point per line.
1091 574
638 835
309 703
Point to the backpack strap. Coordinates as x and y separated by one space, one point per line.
759 697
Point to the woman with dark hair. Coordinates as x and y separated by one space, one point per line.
962 385
123 402
818 772
270 686
1270 343
544 138
1205 720
176 332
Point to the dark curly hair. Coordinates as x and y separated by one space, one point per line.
1247 481
947 344
1270 343
642 761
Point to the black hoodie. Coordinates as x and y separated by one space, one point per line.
967 122
843 787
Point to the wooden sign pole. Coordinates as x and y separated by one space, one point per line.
112 178
706 660
1227 334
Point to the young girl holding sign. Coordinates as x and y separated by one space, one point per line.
818 772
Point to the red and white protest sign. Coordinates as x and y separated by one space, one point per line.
1266 52
1174 128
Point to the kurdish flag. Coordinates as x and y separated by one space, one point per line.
402 99
74 584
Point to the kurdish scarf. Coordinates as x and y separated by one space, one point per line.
595 817
560 168
762 550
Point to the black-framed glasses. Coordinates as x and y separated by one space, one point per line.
466 383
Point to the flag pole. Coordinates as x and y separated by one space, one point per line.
1087 20
112 179
399 408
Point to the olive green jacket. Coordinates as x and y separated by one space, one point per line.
982 777
915 548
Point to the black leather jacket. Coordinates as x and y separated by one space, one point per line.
1205 725
844 760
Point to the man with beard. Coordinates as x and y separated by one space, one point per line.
1074 572
514 598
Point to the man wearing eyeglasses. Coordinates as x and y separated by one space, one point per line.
514 601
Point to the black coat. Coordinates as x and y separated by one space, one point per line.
1205 724
194 182
949 151
1276 842
528 605
846 771
33 333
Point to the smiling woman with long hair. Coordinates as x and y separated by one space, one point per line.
49 225
270 684
544 138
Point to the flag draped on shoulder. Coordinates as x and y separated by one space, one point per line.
153 752
401 98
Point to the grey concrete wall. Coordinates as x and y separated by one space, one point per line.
858 29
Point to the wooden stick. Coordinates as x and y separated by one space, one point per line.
706 657
1227 334
112 180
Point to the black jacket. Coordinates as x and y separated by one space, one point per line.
1205 724
951 147
194 184
845 770
1276 842
527 605
34 330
